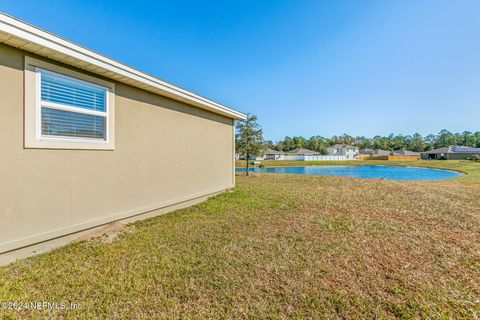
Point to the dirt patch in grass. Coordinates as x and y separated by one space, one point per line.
106 233
280 247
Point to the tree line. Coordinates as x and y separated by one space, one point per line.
415 142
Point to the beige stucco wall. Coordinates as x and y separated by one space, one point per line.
165 152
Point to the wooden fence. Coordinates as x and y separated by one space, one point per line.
389 158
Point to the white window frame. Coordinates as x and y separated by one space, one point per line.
33 106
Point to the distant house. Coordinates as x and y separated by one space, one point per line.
350 152
374 152
303 152
451 153
271 154
405 153
299 154
396 155
251 157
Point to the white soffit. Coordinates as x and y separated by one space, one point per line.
24 36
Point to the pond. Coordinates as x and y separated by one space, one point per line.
368 172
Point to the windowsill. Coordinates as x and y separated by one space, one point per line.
68 144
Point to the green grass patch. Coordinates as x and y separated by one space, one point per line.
279 247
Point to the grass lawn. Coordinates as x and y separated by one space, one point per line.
472 168
277 246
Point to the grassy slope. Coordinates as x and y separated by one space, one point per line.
471 168
319 247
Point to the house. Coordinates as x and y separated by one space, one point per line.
299 154
404 155
396 155
302 152
86 140
350 152
250 157
451 153
374 152
271 154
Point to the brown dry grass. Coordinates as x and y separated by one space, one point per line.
278 246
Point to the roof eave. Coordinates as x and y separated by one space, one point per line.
22 35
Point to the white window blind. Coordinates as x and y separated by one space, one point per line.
72 108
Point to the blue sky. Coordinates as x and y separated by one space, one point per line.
303 67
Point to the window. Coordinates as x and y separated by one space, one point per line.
71 108
66 109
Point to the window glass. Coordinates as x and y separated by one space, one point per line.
71 107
